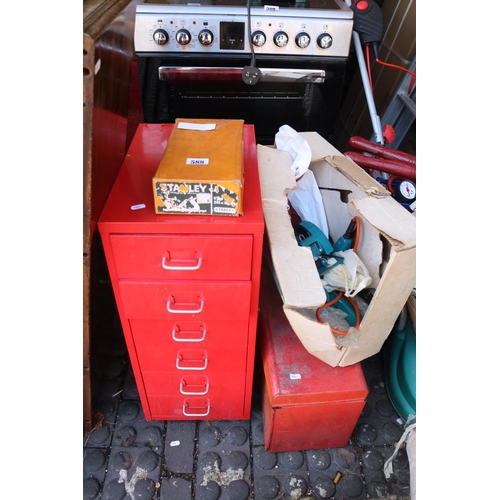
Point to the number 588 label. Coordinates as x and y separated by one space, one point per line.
196 161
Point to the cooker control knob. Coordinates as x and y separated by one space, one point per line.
205 37
325 41
183 37
160 37
258 38
302 40
280 39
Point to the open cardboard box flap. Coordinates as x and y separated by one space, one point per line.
387 247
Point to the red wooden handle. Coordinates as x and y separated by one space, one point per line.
389 166
391 154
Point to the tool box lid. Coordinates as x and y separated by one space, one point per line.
293 376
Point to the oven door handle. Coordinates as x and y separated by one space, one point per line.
226 74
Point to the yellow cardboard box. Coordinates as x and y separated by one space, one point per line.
201 171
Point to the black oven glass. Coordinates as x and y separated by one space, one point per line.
267 106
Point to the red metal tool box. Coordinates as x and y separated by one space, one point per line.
307 404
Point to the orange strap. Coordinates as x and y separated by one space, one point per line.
341 294
328 304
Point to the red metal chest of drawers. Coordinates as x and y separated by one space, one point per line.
306 403
186 289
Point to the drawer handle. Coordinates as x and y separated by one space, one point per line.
180 360
177 339
195 414
185 311
180 268
193 393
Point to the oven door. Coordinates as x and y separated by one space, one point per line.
302 94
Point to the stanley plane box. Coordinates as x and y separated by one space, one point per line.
387 248
201 171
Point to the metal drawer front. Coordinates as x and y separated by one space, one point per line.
196 408
219 385
174 256
221 300
153 333
188 359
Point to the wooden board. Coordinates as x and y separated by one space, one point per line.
108 29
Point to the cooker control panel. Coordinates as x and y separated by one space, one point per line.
270 32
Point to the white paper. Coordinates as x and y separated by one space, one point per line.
307 202
306 199
287 139
196 126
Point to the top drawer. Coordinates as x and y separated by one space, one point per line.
181 256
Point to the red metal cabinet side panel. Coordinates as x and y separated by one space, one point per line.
127 332
254 315
253 205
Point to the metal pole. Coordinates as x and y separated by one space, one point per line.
375 119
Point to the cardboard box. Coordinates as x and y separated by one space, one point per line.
306 404
387 248
201 171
